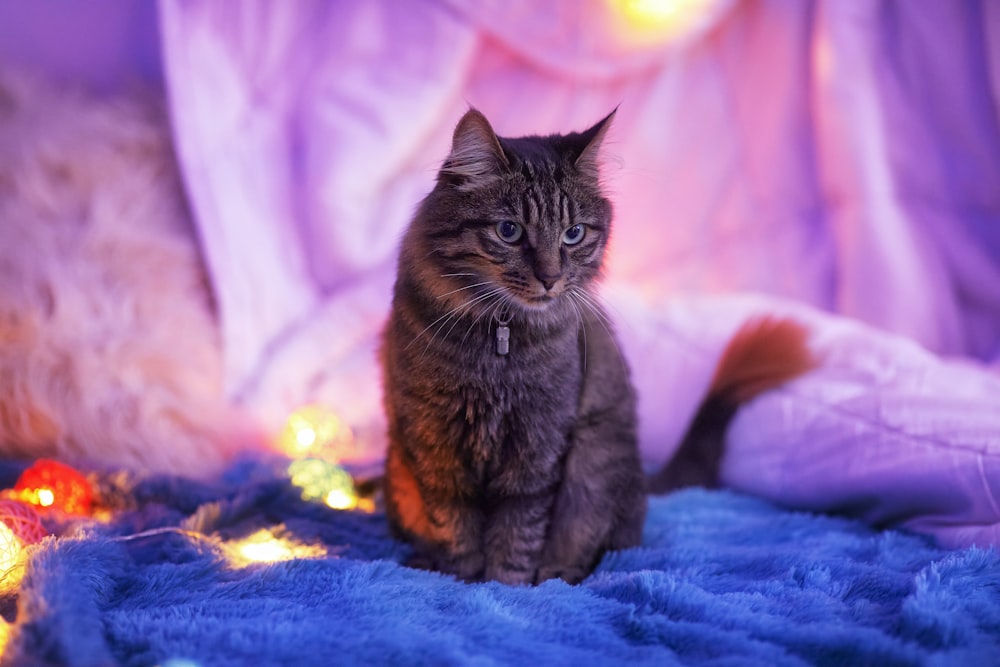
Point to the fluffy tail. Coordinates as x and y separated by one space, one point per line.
766 352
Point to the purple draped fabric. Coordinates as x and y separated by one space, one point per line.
841 153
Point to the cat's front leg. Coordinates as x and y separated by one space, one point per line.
460 552
446 533
457 545
600 505
515 537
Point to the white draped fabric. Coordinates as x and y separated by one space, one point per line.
843 154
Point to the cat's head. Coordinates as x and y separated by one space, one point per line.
516 224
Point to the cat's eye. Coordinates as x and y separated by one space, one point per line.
509 231
573 235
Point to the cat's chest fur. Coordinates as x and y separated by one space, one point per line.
506 417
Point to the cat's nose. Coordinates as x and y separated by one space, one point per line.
548 279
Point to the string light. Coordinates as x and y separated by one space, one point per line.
10 549
4 634
10 559
325 482
263 546
315 431
22 520
20 526
339 499
266 547
52 485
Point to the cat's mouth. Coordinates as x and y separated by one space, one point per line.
538 301
537 298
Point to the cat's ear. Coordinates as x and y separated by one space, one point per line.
587 163
476 156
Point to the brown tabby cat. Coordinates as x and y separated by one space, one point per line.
512 421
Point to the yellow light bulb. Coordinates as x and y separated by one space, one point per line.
325 482
313 430
651 11
10 549
265 547
341 499
306 436
267 551
10 559
46 497
658 21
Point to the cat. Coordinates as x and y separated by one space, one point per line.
511 417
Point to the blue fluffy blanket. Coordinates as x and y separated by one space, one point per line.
720 579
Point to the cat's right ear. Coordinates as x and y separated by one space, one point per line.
476 157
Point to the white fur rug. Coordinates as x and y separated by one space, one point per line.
109 348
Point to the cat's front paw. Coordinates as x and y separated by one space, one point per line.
421 561
511 577
467 567
571 575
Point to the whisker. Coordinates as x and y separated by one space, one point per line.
492 313
491 293
583 327
462 289
444 319
595 305
610 309
602 318
447 316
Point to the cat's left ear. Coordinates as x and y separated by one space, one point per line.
476 155
587 162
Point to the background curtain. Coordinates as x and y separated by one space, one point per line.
834 160
845 154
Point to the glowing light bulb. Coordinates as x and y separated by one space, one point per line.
658 21
265 547
10 559
267 550
54 486
46 497
652 11
315 431
341 499
306 437
324 482
10 549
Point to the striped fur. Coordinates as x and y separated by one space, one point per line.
521 466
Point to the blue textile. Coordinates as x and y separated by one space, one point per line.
720 579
